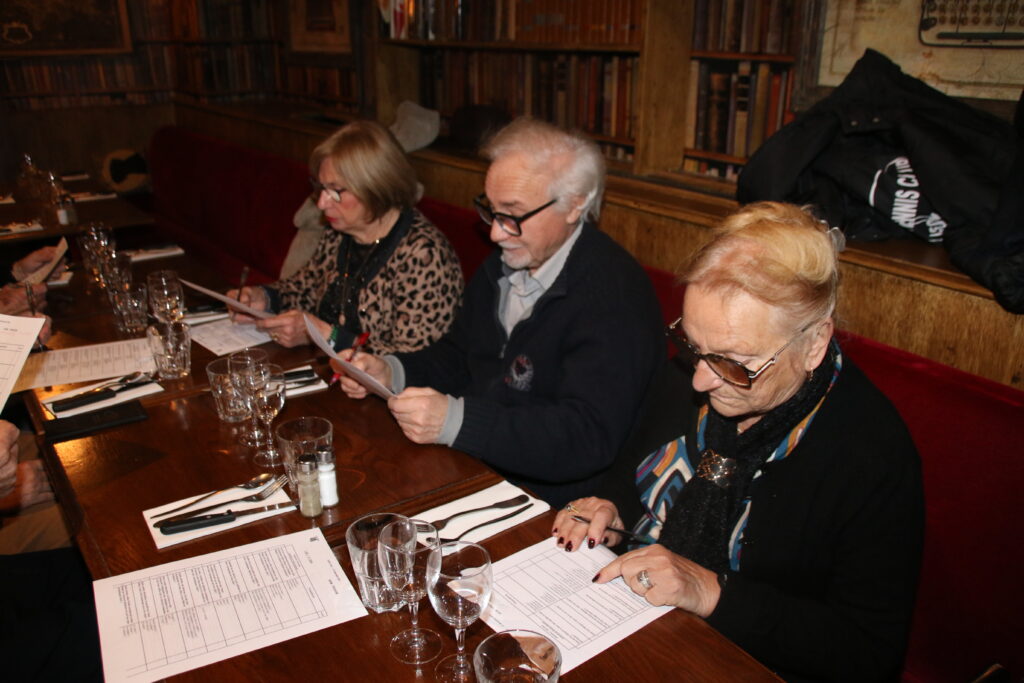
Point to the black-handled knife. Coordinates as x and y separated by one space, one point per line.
91 397
293 375
217 518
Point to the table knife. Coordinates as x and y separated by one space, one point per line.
305 373
217 518
91 397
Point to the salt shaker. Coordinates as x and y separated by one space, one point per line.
309 485
328 478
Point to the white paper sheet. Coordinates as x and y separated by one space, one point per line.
233 303
351 370
86 363
41 274
493 494
226 336
139 255
179 616
87 196
17 335
545 589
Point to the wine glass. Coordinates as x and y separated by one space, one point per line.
166 297
403 563
517 655
459 582
268 400
244 368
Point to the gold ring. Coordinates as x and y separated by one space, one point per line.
571 508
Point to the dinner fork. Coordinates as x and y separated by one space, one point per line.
254 498
487 523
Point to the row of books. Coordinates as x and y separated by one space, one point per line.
192 19
734 106
65 101
326 84
218 69
122 72
574 22
759 26
595 93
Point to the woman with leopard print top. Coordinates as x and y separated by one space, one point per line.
382 268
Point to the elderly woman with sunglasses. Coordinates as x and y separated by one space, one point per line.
774 491
382 270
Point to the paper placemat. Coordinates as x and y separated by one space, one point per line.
489 496
122 396
20 227
164 541
225 336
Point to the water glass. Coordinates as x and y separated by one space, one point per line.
166 296
267 402
131 308
171 346
517 655
231 405
403 562
115 271
95 243
245 368
362 539
300 436
459 582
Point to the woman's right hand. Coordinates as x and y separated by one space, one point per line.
601 513
368 363
254 297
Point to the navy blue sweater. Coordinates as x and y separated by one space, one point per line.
549 406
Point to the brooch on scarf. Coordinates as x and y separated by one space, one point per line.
716 469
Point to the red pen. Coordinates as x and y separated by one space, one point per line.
360 340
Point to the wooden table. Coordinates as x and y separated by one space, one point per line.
104 481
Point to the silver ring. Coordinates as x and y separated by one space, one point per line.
571 508
644 579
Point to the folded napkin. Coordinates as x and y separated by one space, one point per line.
7 199
60 281
21 227
200 318
299 386
139 255
165 540
120 397
78 175
92 196
488 496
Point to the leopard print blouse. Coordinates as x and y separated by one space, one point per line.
410 287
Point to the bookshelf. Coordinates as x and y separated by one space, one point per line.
607 67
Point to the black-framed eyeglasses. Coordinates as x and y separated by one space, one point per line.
513 225
333 194
729 370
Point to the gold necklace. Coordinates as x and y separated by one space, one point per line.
347 279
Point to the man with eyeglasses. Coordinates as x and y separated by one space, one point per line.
546 363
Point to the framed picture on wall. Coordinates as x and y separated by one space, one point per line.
63 27
319 26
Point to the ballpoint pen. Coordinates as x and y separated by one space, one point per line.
360 340
628 534
241 282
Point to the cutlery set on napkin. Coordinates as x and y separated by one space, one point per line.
103 394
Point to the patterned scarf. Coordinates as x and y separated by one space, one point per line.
703 516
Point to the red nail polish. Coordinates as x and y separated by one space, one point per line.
590 543
596 577
561 540
568 547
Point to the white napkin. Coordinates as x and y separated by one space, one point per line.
92 196
200 318
488 496
319 385
165 540
7 199
60 281
120 397
139 255
21 227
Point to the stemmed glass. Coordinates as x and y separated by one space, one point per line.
245 371
166 296
268 400
459 582
403 563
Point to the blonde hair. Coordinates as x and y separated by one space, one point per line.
373 165
575 163
777 253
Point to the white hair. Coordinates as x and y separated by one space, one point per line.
575 163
